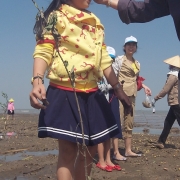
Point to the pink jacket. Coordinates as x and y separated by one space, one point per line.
11 106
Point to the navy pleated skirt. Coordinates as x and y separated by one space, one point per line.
114 103
61 118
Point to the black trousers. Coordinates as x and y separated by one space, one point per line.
173 114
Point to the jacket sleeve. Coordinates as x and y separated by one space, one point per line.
106 59
131 11
171 80
115 66
45 47
101 86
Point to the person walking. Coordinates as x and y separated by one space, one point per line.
171 90
129 69
71 39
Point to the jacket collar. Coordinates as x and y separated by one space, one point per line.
75 15
129 65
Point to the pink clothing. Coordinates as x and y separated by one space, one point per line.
10 106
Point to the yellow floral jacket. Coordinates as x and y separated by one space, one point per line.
81 45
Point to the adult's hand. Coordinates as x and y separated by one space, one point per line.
101 1
110 3
38 94
147 90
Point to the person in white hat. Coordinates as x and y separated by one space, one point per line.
129 69
10 109
171 90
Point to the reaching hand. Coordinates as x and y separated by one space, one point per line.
153 102
37 94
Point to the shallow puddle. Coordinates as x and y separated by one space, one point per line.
26 155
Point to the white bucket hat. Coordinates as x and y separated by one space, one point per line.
111 51
130 39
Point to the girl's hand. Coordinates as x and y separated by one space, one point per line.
147 90
37 94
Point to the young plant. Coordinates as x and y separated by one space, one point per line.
4 108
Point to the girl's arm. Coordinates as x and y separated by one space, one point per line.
38 91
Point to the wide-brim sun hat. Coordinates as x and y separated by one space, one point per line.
11 100
174 61
111 51
130 39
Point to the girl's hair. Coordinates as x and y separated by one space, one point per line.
125 50
41 22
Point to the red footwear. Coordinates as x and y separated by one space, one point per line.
106 168
115 167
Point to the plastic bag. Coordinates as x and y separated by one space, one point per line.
147 102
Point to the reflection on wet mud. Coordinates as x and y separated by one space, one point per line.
26 155
148 123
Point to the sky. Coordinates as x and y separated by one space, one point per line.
157 41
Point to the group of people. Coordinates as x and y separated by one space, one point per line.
127 70
70 48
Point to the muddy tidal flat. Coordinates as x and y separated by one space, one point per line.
23 156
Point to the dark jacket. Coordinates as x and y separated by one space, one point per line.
131 11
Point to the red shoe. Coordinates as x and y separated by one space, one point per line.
115 167
106 168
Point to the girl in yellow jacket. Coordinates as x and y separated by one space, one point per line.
81 46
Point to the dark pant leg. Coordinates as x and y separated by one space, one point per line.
169 121
176 109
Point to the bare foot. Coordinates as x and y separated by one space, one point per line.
132 154
119 157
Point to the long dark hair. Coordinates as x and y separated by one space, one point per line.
41 22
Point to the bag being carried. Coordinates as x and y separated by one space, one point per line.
147 102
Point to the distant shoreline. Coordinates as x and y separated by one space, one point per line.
36 111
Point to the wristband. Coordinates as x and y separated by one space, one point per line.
117 86
35 77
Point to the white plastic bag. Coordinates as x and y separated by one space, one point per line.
147 102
